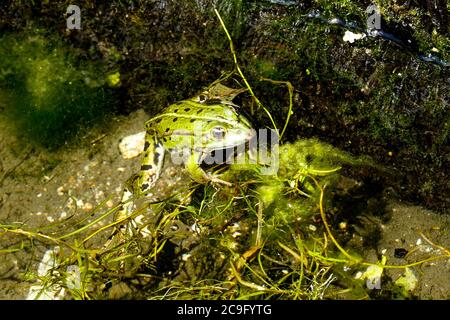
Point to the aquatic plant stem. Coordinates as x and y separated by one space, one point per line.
327 227
291 94
31 234
236 64
357 260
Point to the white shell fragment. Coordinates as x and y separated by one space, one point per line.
132 146
352 37
73 277
41 291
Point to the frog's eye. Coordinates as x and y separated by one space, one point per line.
202 98
218 133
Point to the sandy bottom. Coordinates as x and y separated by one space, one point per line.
39 189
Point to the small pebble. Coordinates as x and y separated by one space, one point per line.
69 203
99 194
88 206
60 191
131 146
236 234
185 256
400 252
351 37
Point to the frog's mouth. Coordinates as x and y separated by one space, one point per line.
226 155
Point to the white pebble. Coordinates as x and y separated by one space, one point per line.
236 234
185 256
60 191
351 37
88 206
131 146
99 194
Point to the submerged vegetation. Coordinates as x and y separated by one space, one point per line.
50 93
277 236
368 97
265 237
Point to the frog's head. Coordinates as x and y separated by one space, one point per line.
215 123
226 129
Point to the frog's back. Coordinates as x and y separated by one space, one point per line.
186 115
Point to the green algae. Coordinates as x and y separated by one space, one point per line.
338 93
52 93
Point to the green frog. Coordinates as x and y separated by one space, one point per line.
188 132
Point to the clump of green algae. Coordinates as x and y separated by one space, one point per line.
52 93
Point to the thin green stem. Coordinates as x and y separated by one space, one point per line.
241 74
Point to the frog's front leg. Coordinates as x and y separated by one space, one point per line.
139 184
198 174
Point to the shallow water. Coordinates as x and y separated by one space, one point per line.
67 97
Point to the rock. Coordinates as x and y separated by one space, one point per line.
131 146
